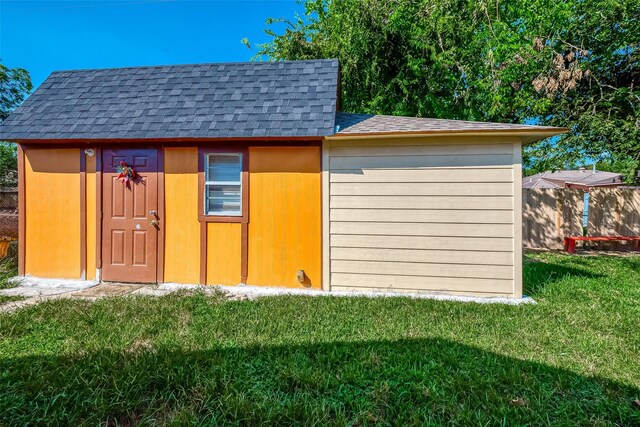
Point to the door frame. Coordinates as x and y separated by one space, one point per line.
99 214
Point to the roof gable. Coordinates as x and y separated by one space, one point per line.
226 100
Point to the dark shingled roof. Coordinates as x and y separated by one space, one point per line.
362 124
226 100
265 99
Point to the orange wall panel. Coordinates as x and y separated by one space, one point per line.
223 253
181 226
285 216
52 208
91 216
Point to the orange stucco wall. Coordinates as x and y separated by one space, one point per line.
182 229
284 232
223 253
285 216
52 209
91 216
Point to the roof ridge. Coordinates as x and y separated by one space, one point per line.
132 67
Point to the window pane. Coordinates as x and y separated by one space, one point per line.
224 167
224 199
223 189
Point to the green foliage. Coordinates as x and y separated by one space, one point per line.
573 64
9 266
8 164
9 298
15 86
571 359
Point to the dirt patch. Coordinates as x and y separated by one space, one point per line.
106 290
140 345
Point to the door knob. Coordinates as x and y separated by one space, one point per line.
153 222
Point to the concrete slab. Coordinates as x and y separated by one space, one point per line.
152 291
36 291
40 282
252 292
40 290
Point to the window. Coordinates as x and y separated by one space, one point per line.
223 184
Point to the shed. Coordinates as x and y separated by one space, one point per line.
581 178
246 173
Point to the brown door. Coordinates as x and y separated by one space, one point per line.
130 223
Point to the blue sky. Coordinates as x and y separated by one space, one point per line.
43 36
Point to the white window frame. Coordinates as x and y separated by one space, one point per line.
208 183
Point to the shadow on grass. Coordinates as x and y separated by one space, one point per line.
537 275
404 382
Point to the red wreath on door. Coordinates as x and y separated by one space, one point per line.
127 173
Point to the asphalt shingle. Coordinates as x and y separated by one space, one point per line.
356 124
265 99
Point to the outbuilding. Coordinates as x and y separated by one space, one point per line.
247 173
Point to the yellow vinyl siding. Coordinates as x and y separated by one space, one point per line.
422 202
391 282
420 255
52 205
421 162
284 216
181 226
422 229
422 189
435 149
442 175
424 269
224 253
431 289
502 244
425 215
489 216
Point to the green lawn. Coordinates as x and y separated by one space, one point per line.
9 266
8 269
5 298
574 358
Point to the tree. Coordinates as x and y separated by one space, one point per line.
15 86
574 63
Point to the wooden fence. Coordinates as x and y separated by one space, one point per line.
8 198
548 215
614 212
9 212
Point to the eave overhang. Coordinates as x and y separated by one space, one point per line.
526 136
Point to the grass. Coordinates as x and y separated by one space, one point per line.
9 266
9 269
572 359
9 298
